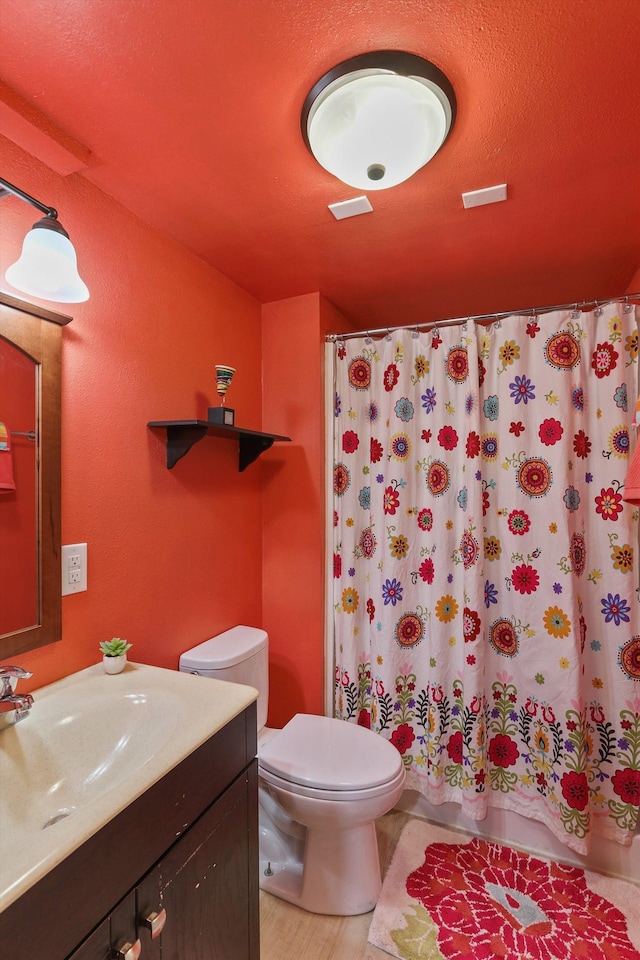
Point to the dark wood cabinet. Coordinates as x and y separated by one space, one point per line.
188 846
97 946
113 935
204 887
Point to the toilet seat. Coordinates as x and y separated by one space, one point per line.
328 758
319 793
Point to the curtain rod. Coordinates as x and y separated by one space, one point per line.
532 312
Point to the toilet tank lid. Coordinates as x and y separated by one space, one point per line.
225 650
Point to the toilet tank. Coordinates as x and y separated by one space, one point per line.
239 655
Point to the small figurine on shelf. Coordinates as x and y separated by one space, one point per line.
222 415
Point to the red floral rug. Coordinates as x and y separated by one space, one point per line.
448 896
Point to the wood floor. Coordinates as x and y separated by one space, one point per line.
288 933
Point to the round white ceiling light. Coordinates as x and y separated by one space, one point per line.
375 119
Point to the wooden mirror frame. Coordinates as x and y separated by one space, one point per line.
38 333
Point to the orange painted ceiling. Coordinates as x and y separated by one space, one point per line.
191 112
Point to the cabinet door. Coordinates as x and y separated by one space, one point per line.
207 885
97 946
114 937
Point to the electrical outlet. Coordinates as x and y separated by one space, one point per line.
74 568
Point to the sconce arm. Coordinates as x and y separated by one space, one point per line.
10 188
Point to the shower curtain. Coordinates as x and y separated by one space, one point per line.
486 606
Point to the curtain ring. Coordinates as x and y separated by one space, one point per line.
575 313
627 306
416 333
368 339
388 336
598 310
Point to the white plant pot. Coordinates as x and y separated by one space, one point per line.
114 664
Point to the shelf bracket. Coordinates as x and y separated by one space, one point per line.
250 448
180 440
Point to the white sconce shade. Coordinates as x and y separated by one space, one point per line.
376 119
48 266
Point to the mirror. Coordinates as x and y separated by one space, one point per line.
30 524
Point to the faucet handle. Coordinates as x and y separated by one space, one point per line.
10 673
11 670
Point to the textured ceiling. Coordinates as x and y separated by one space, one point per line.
191 112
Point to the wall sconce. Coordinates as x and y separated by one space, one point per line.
47 267
375 119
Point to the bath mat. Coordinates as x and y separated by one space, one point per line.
448 896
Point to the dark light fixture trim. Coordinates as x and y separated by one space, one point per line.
6 187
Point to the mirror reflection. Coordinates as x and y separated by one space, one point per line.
30 600
19 392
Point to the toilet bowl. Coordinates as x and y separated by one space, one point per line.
335 779
322 785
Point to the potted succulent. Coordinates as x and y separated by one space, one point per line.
114 654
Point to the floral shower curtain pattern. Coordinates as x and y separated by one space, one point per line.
485 563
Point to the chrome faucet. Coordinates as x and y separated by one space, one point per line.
13 707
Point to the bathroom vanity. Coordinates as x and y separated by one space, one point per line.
174 872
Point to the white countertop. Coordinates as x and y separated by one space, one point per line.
91 745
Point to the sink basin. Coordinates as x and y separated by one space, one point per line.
78 749
91 744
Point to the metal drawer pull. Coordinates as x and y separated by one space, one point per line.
129 951
155 922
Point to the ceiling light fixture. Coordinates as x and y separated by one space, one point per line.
47 267
375 119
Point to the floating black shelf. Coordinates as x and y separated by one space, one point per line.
182 434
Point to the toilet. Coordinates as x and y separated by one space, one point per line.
322 785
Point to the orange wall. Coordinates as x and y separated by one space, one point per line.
293 335
634 286
293 512
173 556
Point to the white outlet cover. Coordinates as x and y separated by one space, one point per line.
79 568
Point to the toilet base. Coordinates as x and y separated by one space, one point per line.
338 876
